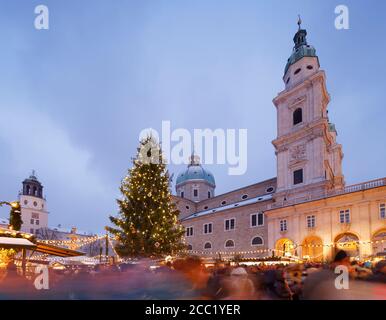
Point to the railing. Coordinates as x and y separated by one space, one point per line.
349 189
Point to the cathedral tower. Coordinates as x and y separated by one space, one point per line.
309 160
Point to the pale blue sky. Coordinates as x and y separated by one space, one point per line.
73 99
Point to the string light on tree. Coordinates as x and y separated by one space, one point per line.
147 223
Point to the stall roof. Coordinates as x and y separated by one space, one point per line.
16 243
56 251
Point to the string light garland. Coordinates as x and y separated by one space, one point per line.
292 247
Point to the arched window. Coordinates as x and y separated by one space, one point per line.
190 247
28 189
257 241
34 191
229 244
208 245
297 116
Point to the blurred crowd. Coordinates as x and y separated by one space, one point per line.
188 278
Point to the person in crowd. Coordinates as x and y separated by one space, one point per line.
239 286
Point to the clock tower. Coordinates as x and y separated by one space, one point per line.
34 212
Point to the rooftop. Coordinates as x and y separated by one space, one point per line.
230 206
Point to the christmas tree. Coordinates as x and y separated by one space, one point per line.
15 220
147 223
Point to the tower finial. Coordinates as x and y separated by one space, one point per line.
299 21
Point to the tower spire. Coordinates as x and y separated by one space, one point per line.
299 22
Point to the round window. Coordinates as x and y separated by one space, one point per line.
35 203
269 190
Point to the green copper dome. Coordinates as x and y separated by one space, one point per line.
195 171
301 49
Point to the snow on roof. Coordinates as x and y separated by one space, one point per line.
69 230
230 206
9 241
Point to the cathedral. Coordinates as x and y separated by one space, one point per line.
307 212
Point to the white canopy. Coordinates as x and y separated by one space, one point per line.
9 242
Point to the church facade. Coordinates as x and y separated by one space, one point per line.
307 211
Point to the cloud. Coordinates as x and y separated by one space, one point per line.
35 141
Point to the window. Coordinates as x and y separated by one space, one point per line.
229 244
37 222
189 231
32 221
230 224
288 80
35 215
31 230
208 228
310 221
297 116
344 216
195 192
206 207
244 196
310 67
209 195
298 176
223 203
297 71
207 245
283 225
269 190
257 241
257 219
382 211
190 248
187 207
182 194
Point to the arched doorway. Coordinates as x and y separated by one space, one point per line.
379 242
347 242
284 247
312 249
